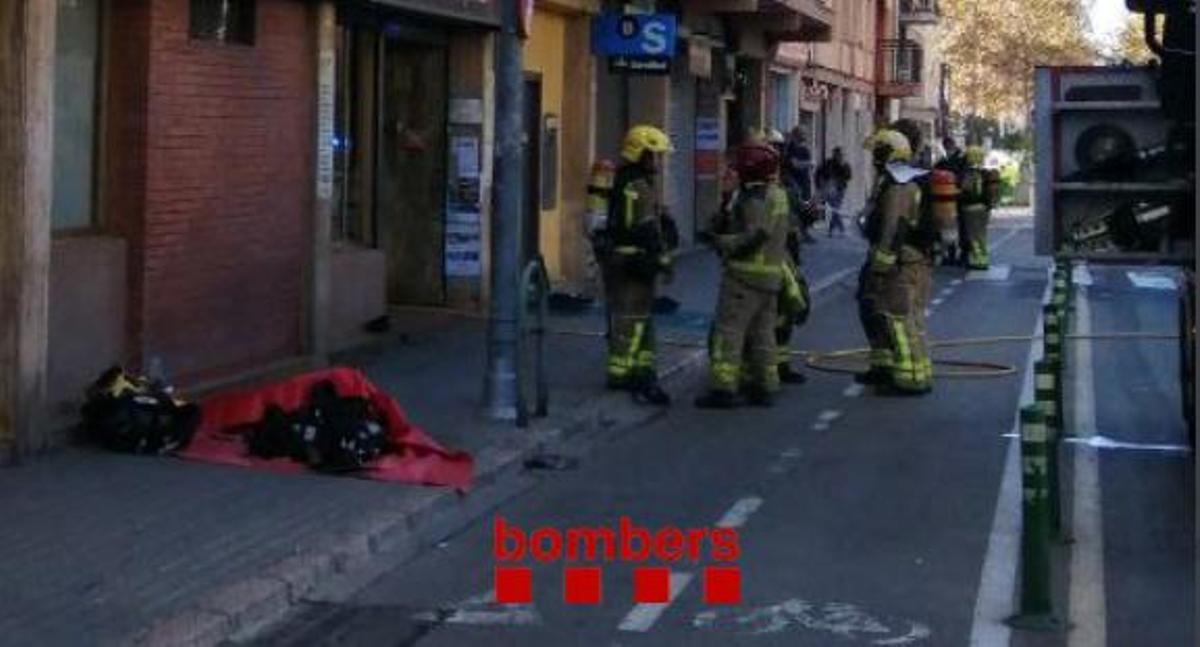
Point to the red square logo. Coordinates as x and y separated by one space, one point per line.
651 585
581 585
513 585
722 585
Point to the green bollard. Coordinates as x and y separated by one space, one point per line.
1036 611
1052 338
1048 400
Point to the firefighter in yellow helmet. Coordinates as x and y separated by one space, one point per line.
640 251
753 253
896 274
974 206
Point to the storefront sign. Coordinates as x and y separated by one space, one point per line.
648 65
708 134
325 118
634 35
463 244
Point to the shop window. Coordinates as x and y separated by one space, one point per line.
225 21
76 65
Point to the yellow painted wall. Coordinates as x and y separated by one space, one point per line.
544 54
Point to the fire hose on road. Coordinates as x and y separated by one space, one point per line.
853 360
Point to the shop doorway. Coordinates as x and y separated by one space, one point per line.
411 169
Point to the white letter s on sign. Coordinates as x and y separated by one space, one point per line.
654 38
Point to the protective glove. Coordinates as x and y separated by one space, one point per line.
882 261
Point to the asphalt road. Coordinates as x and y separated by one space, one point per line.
861 520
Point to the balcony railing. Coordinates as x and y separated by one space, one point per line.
902 63
919 12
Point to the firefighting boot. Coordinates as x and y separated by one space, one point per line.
789 375
651 393
715 399
757 396
874 376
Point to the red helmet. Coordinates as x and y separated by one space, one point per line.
756 162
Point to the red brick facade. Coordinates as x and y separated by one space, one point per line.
209 158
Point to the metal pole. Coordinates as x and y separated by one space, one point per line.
500 381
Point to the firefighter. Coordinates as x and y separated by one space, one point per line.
639 255
793 304
752 249
974 208
894 281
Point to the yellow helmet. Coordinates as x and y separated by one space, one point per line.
641 139
896 143
975 155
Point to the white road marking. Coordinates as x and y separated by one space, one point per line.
1081 275
829 415
937 302
831 280
845 620
998 577
948 291
956 282
641 617
485 612
1101 442
736 516
928 312
1004 240
1152 281
1087 595
854 390
780 465
820 426
995 273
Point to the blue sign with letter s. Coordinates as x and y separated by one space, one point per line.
620 34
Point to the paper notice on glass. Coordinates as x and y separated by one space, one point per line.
466 156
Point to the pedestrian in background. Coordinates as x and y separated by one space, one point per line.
833 177
797 178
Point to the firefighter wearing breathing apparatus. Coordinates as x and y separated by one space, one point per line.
639 251
752 246
975 206
895 280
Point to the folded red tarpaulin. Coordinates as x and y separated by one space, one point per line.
413 458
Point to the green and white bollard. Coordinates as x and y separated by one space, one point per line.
1052 335
1037 602
1048 399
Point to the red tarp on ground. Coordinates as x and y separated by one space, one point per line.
414 457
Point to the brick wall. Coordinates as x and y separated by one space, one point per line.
222 243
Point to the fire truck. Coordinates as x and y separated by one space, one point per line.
1115 158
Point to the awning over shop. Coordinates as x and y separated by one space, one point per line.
481 12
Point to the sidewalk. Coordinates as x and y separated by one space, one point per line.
100 548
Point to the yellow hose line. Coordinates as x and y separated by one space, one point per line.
820 360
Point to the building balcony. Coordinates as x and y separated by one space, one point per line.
919 12
899 68
779 20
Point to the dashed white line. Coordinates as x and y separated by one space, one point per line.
829 415
854 390
737 515
956 282
643 616
937 302
947 292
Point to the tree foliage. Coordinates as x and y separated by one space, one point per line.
992 47
1130 45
